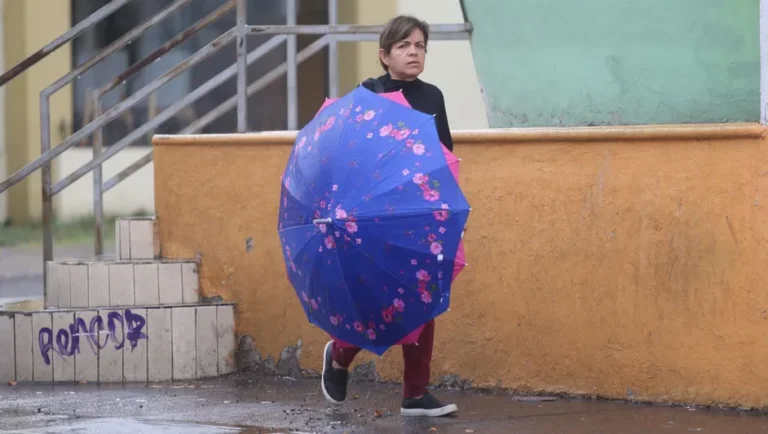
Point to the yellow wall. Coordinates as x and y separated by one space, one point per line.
360 60
602 260
27 26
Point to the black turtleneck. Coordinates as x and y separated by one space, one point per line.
422 96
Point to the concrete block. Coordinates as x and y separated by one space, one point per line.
111 341
225 330
135 349
142 238
159 344
7 344
183 332
190 282
121 292
206 342
123 235
87 359
51 296
169 282
146 284
62 286
62 354
98 284
42 333
23 346
78 285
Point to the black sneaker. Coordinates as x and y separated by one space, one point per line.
427 405
334 381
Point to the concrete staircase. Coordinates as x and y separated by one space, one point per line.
135 318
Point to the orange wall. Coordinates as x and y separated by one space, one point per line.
602 260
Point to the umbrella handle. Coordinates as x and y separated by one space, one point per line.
326 221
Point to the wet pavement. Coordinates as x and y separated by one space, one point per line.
261 405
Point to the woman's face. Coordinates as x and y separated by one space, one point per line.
406 60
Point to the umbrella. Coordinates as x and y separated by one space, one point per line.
453 163
370 220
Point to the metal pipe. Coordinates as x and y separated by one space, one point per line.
333 51
374 37
113 47
292 75
168 46
211 84
256 86
111 114
162 117
763 59
357 29
65 37
128 171
98 195
242 69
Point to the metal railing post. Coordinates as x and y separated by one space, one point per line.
292 76
333 51
47 196
98 192
242 68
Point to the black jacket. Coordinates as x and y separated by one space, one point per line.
422 96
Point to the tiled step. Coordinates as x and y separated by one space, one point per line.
137 344
79 284
135 238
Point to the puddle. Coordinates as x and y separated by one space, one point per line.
127 426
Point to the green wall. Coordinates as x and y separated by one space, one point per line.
616 62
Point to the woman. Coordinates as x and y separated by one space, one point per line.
402 49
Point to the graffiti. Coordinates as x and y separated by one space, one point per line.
67 340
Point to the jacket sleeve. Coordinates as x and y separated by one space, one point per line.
443 129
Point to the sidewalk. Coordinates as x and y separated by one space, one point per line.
259 405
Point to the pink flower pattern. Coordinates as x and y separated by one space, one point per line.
428 189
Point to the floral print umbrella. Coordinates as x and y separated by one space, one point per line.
371 217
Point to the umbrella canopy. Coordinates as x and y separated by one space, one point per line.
371 217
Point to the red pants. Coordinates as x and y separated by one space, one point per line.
417 358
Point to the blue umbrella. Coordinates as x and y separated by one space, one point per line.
370 220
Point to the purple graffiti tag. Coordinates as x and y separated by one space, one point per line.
45 341
77 329
67 339
62 341
112 318
135 323
94 332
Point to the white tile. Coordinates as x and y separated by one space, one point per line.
62 287
121 291
142 239
190 282
135 349
146 284
42 358
111 346
63 355
78 285
87 359
169 282
225 321
23 346
51 285
123 234
7 345
98 284
206 342
160 342
183 330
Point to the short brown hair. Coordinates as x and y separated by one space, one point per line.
399 28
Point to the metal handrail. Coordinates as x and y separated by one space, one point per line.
332 34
